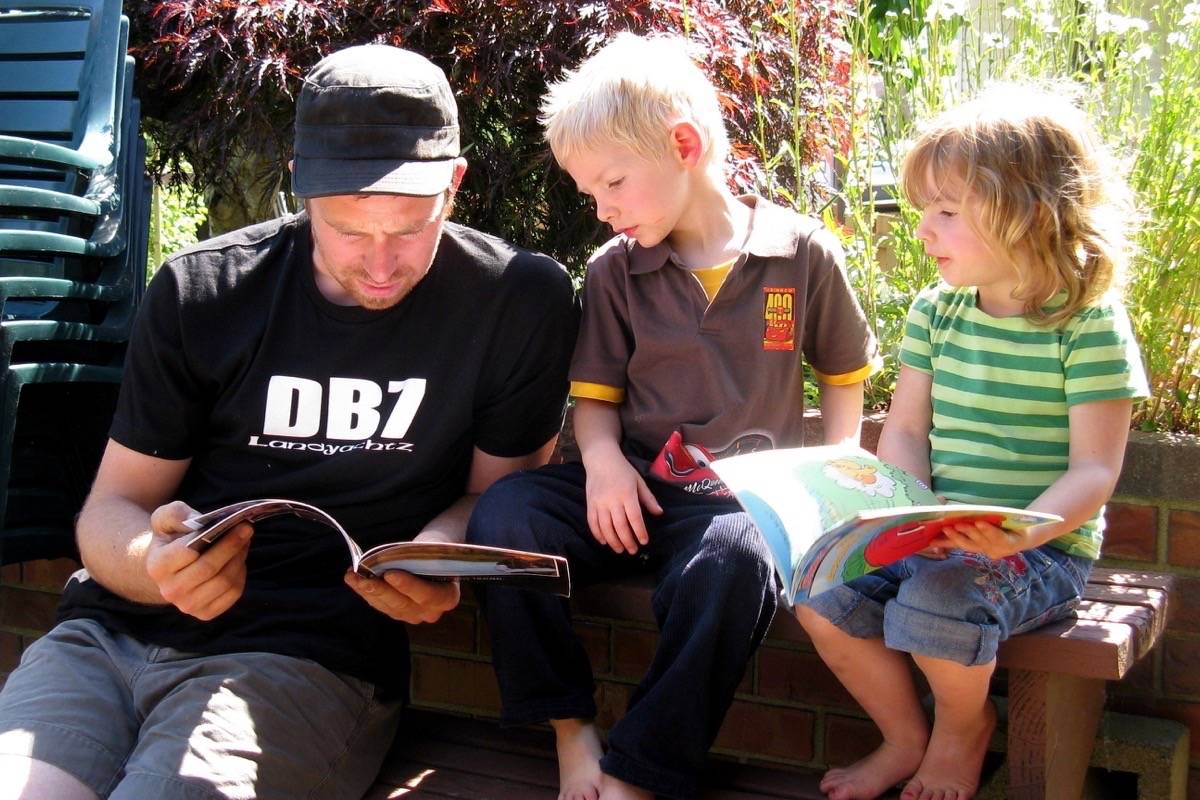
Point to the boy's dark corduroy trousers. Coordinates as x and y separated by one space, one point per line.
715 595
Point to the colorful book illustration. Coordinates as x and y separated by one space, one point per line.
830 514
433 560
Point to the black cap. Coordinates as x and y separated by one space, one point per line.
374 119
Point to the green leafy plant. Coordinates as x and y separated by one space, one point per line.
1138 78
219 78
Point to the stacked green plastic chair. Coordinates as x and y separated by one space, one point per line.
74 225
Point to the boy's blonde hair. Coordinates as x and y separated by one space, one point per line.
1050 200
631 93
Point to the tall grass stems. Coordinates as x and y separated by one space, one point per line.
1135 67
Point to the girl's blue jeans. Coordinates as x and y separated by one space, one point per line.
959 608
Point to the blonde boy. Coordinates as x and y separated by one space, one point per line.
696 318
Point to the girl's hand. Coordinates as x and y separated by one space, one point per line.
616 494
986 539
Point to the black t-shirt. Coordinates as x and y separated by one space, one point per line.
239 363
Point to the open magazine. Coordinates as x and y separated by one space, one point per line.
833 513
433 560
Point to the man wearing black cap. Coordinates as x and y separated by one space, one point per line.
366 356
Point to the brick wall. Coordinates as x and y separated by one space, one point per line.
1154 521
789 709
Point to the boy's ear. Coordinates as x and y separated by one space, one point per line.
687 143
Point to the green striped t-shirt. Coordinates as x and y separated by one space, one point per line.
1001 390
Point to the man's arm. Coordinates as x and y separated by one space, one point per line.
407 598
129 534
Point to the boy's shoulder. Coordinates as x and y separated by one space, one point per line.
775 232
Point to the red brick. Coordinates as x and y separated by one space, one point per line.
746 685
799 677
785 628
442 682
1181 657
1183 538
454 631
611 701
10 573
50 575
596 640
768 731
633 650
1180 711
10 652
28 610
848 739
1185 605
1131 532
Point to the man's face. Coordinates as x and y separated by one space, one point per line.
371 250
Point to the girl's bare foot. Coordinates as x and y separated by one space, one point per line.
951 767
875 774
614 789
579 752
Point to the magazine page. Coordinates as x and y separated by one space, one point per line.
795 495
434 560
446 560
878 537
214 524
832 513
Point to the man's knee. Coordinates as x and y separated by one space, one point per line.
23 777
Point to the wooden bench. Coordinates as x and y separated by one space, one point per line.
1057 676
1056 692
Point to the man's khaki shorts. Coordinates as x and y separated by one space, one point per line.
136 721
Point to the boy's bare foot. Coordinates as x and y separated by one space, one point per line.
951 767
614 789
875 774
579 752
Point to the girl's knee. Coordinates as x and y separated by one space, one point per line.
818 628
812 622
946 588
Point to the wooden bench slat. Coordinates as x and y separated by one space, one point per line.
1083 647
417 779
744 781
1123 577
1146 622
442 756
491 761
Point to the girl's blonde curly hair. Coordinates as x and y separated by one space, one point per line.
1049 199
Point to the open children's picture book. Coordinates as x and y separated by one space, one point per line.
833 513
433 560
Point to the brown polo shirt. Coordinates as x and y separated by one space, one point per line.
727 374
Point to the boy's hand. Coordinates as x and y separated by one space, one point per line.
615 496
986 539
